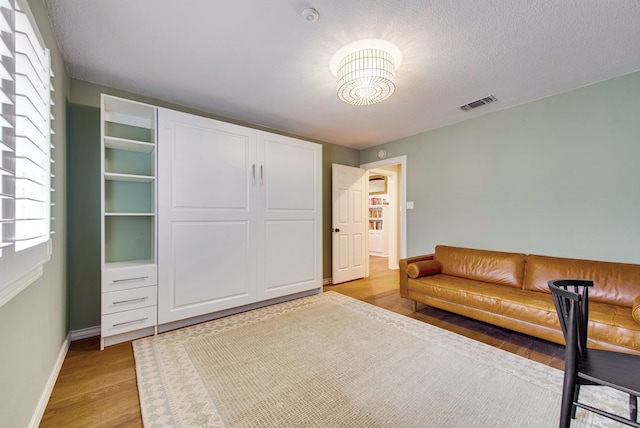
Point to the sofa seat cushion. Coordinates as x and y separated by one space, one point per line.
466 292
530 306
613 324
608 323
497 299
488 266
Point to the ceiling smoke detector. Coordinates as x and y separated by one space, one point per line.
478 103
310 15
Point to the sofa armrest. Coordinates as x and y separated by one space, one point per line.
635 310
404 277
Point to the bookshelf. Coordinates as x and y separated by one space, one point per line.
129 269
378 233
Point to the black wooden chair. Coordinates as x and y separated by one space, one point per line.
590 366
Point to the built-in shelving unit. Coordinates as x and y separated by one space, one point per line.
129 261
378 235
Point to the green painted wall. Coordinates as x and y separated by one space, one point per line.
83 201
558 176
33 325
84 196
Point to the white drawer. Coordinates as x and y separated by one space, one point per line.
122 322
122 278
134 298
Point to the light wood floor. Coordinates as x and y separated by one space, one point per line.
98 388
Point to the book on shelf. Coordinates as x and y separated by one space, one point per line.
378 201
375 225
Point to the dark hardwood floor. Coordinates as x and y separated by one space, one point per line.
98 388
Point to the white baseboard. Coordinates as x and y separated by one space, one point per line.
326 281
85 333
36 418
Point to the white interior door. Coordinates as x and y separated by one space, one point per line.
348 223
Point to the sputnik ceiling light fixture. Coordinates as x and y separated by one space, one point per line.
366 71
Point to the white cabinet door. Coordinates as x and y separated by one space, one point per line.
239 216
290 179
207 177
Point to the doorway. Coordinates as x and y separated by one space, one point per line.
386 214
382 216
350 220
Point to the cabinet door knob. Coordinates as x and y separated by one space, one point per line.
335 230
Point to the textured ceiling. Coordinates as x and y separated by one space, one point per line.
260 62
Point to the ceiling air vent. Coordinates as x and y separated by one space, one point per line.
478 103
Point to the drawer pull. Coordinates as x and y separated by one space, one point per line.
122 302
120 324
139 278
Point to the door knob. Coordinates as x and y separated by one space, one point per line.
336 230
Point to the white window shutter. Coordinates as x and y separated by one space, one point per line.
25 149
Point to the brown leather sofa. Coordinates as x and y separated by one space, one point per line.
510 290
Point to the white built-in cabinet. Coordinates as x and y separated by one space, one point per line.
128 220
239 213
201 218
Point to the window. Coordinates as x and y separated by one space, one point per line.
25 149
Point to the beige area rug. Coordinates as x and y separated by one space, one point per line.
332 361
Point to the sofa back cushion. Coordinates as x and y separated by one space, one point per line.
615 283
481 265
